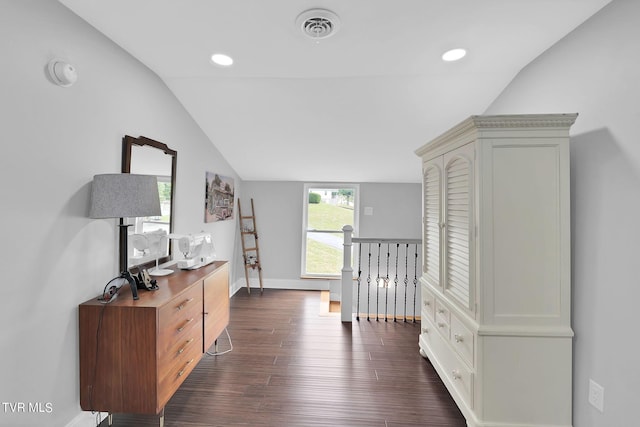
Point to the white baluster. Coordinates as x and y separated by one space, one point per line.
346 293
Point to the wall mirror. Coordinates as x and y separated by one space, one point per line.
147 240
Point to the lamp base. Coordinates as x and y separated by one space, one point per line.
159 271
132 283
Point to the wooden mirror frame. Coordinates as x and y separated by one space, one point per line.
128 142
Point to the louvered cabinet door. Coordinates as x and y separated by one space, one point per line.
458 224
432 187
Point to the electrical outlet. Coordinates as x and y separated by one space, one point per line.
596 395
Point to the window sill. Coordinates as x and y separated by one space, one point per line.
321 277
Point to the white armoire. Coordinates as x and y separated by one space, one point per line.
496 280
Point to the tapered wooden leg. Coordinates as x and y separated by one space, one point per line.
110 419
161 420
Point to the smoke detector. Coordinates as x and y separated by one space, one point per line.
318 24
61 72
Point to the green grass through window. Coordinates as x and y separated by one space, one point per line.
323 258
323 216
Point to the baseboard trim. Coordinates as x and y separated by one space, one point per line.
87 419
295 284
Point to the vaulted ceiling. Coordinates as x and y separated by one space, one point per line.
350 107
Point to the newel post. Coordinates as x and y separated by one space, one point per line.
346 293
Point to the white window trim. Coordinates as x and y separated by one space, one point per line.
305 204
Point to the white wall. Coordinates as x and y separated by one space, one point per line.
53 141
278 205
397 209
595 71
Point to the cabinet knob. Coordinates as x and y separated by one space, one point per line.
455 374
441 325
425 330
458 338
427 303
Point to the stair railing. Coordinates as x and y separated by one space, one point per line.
385 284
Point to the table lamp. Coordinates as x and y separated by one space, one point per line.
124 195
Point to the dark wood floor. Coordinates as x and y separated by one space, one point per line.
292 366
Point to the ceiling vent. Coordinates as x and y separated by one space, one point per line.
318 24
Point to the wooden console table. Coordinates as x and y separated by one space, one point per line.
135 354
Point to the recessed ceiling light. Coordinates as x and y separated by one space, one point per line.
221 59
454 55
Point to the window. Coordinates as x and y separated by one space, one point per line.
153 223
327 208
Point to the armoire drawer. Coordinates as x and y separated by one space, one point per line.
462 378
428 303
443 319
426 328
452 366
462 340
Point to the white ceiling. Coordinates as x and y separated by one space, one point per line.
352 107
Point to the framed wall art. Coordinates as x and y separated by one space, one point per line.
219 197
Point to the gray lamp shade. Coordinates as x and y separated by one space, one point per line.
124 195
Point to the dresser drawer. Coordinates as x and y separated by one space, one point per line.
177 317
176 308
462 340
177 346
428 303
174 368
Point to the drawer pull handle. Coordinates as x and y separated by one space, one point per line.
181 328
441 325
185 368
455 374
427 303
458 338
441 311
185 346
425 330
181 306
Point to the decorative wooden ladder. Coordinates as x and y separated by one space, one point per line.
250 248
